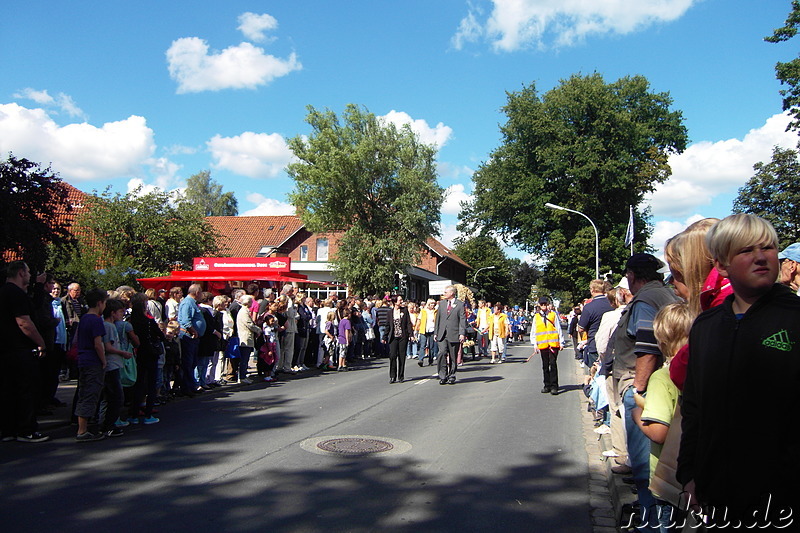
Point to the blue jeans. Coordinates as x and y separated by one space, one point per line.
482 343
201 369
639 455
427 341
244 360
413 348
189 348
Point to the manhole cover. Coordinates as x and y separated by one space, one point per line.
355 446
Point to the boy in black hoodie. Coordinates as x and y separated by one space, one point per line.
736 458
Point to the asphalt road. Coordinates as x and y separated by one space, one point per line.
490 453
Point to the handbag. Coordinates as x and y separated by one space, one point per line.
72 353
233 351
664 484
128 373
370 334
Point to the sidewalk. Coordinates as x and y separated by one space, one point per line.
607 492
54 425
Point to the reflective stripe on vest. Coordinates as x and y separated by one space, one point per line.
546 332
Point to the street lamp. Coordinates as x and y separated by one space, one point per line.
475 277
596 236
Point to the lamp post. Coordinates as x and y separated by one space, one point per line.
596 236
475 277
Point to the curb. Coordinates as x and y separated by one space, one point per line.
607 492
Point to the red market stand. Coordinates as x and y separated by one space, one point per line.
217 273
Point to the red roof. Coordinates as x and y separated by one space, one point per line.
245 236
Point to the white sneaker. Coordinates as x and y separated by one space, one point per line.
602 430
610 453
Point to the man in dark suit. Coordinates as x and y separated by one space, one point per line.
451 322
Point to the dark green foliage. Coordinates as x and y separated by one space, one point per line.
30 196
588 145
773 193
788 73
206 194
372 181
147 233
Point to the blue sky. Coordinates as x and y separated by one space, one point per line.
149 93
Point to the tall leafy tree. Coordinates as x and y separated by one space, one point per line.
31 197
480 252
588 145
206 194
147 232
373 182
525 276
773 193
788 73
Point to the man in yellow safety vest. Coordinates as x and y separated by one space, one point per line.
547 339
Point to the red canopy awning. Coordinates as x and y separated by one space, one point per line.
218 280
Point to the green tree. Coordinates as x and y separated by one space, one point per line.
147 233
524 276
492 284
207 195
31 198
788 73
588 145
373 182
773 193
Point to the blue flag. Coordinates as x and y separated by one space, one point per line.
629 231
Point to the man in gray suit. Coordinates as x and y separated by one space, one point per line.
451 322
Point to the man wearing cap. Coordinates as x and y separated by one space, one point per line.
790 266
591 316
547 339
636 357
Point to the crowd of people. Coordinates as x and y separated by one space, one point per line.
669 362
131 351
673 369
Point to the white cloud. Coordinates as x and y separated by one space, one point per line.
77 151
256 155
237 67
449 234
667 229
62 101
267 206
437 136
455 172
515 24
454 195
253 26
179 149
164 171
707 169
144 188
40 97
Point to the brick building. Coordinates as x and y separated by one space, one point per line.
286 236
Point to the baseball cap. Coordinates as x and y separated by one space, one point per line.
544 300
643 261
791 252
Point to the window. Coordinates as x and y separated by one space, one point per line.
322 249
304 253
